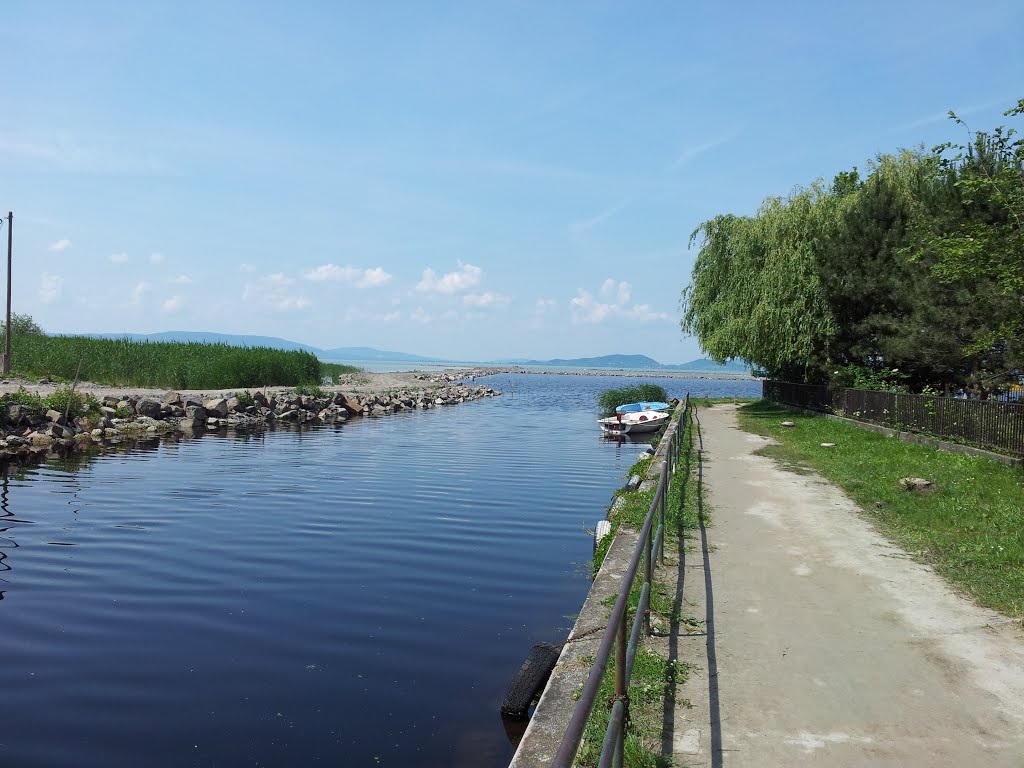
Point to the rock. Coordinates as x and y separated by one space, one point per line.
149 408
350 404
828 445
172 398
55 416
234 404
261 400
917 484
16 414
97 433
789 424
216 407
110 401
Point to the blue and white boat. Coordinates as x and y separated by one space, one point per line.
645 406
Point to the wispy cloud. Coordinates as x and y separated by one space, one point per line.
420 316
156 258
70 153
182 280
465 278
275 292
696 150
50 287
173 303
119 258
60 246
938 117
583 226
139 292
361 278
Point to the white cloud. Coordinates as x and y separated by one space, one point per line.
50 287
173 303
485 299
544 305
361 278
119 258
391 317
373 278
60 246
156 258
453 282
243 267
332 273
622 291
274 292
586 308
182 280
419 316
139 292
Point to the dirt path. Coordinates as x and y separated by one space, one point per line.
826 644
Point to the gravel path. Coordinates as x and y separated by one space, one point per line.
825 643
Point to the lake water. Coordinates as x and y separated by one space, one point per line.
356 596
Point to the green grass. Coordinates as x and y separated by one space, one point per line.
653 677
63 400
971 530
122 362
610 399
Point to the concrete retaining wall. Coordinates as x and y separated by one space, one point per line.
544 733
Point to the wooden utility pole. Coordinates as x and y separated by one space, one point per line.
7 329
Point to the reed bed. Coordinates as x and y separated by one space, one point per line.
171 365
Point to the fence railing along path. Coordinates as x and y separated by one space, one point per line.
650 544
983 423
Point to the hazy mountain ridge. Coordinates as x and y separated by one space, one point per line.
618 361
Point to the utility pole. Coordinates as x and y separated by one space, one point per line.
7 330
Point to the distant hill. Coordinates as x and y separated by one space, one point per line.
238 340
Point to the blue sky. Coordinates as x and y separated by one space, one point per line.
461 180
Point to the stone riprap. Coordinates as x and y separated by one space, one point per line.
27 438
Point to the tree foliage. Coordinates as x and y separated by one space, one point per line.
917 266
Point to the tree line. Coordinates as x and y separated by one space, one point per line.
910 275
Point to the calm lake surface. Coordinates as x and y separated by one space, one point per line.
356 596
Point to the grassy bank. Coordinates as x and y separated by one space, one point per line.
654 677
971 529
122 362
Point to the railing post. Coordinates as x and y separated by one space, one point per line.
620 688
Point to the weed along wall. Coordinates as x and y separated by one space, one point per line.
548 725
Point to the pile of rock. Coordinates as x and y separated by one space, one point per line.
23 438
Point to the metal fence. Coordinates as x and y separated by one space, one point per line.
983 423
650 544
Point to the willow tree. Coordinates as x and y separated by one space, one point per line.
755 292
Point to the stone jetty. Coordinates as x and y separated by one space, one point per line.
30 435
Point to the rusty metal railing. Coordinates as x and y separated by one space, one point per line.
650 543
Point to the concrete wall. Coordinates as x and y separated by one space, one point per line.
546 728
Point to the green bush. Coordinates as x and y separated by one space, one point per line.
610 399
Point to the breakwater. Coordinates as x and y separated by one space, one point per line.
29 433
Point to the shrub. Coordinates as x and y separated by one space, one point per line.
610 399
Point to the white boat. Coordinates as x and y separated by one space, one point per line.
634 423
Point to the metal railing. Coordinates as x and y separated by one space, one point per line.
984 423
615 633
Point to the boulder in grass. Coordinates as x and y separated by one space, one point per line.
917 485
789 424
